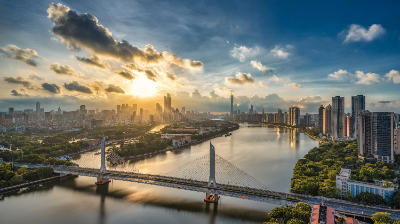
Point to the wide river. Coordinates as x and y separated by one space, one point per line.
266 153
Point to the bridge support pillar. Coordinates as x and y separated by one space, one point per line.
100 179
212 198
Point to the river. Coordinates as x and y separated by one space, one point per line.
266 153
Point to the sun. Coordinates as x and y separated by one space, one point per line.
143 87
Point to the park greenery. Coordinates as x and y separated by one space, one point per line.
315 174
18 175
300 214
147 143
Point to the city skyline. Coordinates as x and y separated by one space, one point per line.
270 67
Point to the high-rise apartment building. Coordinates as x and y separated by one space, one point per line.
327 120
348 126
280 116
82 109
118 109
231 106
183 111
141 114
357 105
338 117
167 103
321 118
134 107
294 116
376 135
11 110
37 108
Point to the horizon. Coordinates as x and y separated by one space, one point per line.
106 54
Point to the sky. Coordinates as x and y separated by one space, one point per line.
272 54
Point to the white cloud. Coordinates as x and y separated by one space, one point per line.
259 66
262 84
368 78
280 52
393 75
338 74
293 85
242 52
275 79
358 33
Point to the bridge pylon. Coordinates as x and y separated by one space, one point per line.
213 198
100 179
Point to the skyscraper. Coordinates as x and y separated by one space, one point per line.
37 108
376 135
134 107
11 110
327 120
183 111
338 117
321 118
82 109
141 114
357 104
280 116
118 109
167 103
231 105
294 116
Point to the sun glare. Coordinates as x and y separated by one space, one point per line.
143 87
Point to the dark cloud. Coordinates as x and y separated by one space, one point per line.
126 74
171 76
19 80
63 70
114 89
94 61
15 53
83 32
151 75
52 88
75 86
240 79
18 93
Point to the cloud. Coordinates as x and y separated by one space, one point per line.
21 93
241 78
262 84
114 89
358 33
171 76
259 66
241 52
368 78
339 74
83 32
151 75
293 85
126 74
52 88
63 70
75 86
33 76
93 61
385 101
393 75
19 80
15 53
280 52
275 79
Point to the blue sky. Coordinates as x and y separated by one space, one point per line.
273 54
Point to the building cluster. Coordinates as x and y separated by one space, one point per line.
377 133
83 117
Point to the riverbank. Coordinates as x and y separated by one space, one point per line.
169 148
18 186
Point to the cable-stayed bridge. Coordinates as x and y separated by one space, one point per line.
212 174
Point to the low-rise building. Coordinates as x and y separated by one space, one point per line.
188 137
322 215
178 141
383 188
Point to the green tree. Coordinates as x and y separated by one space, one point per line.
17 179
296 221
340 220
381 217
9 175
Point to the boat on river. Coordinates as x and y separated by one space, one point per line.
211 198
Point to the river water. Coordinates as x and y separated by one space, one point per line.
266 153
